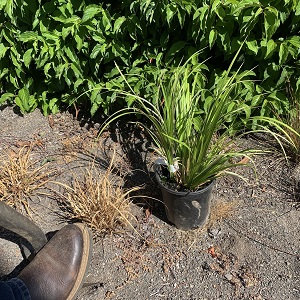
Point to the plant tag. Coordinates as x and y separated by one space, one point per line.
172 169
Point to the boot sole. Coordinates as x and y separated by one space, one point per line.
86 258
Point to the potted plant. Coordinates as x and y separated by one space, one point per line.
190 130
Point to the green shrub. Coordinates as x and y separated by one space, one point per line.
53 51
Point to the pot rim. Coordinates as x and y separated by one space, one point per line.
211 184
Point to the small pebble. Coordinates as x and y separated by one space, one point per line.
228 276
213 233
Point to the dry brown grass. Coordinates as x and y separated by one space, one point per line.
221 210
98 199
20 178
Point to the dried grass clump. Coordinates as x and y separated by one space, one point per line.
98 200
20 178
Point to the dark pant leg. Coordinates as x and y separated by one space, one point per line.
13 289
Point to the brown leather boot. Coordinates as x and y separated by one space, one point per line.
58 270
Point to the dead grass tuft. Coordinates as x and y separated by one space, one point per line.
20 178
98 200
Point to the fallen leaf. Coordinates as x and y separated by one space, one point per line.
211 251
51 121
21 144
244 160
148 214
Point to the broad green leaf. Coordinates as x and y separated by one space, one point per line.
150 13
99 37
66 31
256 100
212 37
69 7
293 51
2 50
158 59
45 106
6 97
77 83
28 36
53 105
276 98
271 46
76 70
90 12
118 23
181 17
145 4
52 52
47 68
74 20
283 53
231 106
8 36
35 22
215 4
294 40
252 45
208 103
68 76
32 103
220 12
43 58
27 57
248 19
60 69
79 42
297 8
106 20
70 53
170 12
9 8
23 100
3 72
94 108
2 4
95 51
247 109
13 79
225 40
271 21
20 104
51 37
14 51
15 61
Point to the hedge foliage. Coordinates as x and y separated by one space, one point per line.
53 51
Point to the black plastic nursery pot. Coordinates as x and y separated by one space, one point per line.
186 210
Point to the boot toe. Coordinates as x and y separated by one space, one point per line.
58 270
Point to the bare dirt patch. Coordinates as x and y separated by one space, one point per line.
249 250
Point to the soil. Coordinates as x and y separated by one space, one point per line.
249 249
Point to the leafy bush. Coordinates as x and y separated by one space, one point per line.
53 51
